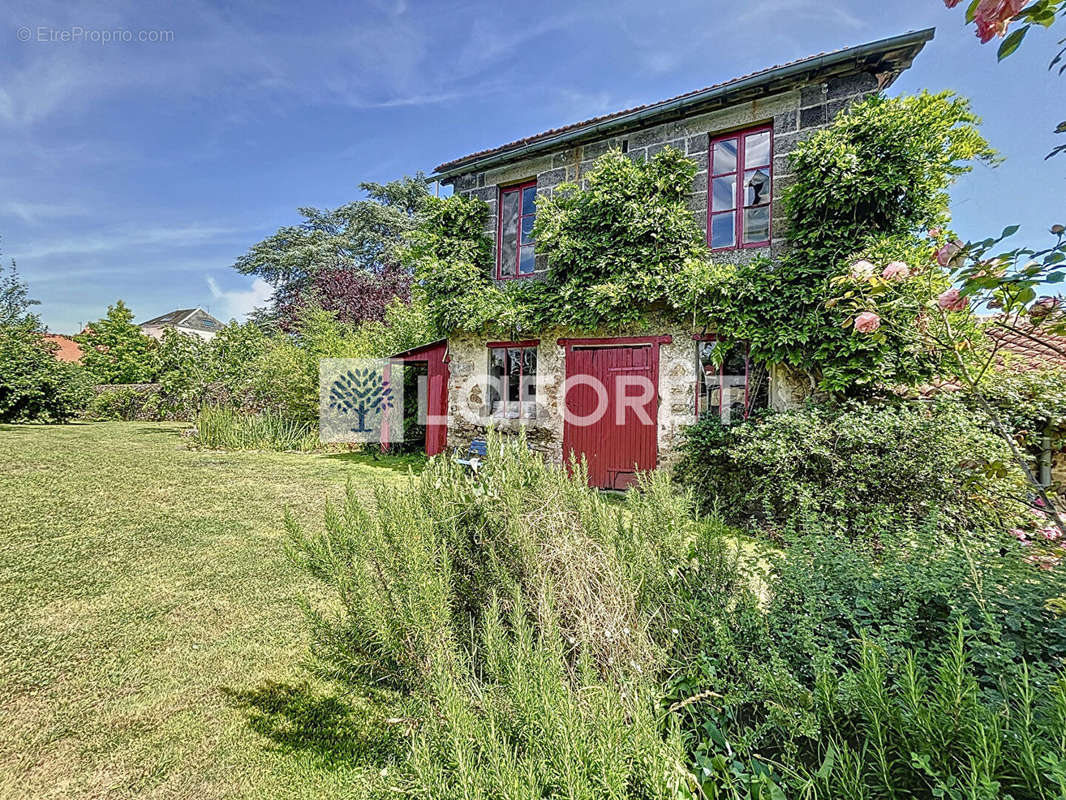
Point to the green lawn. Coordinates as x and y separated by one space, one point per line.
152 643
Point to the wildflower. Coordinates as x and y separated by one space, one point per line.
1018 534
897 270
1051 534
862 270
952 300
934 233
867 322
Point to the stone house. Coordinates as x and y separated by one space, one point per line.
191 321
739 134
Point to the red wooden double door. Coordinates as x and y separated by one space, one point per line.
612 404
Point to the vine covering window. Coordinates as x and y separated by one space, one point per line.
732 389
513 380
518 210
740 190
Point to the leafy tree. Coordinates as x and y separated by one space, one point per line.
34 385
343 260
115 349
15 299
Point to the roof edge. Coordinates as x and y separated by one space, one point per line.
649 114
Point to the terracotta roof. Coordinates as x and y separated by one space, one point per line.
1031 348
903 48
68 350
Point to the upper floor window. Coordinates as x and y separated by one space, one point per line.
738 213
513 380
729 384
518 209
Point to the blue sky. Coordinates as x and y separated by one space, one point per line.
141 170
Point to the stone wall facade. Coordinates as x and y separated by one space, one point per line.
469 417
794 114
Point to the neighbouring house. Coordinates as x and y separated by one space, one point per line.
66 348
193 321
739 133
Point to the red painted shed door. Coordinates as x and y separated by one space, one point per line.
622 438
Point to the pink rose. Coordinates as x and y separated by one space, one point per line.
994 16
897 270
952 300
1038 513
1051 534
934 233
1018 534
862 270
867 322
946 254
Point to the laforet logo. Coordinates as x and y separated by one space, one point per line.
360 392
358 401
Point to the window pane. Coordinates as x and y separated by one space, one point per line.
724 157
529 200
527 229
757 224
497 359
758 388
529 380
756 187
724 192
723 230
509 228
528 262
709 383
514 366
757 149
734 384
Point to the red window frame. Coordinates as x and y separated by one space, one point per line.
741 167
702 339
519 188
507 347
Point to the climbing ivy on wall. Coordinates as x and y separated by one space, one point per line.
866 188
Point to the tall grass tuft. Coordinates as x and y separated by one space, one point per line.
523 610
222 428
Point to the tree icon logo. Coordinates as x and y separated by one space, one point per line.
361 392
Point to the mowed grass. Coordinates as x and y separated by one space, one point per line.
152 640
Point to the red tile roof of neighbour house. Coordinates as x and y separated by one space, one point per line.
891 56
68 350
1028 348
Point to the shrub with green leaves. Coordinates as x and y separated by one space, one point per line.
115 350
834 669
857 463
523 611
34 385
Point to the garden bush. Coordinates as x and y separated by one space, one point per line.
524 611
34 385
126 402
225 428
834 669
858 463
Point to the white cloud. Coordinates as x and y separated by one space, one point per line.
122 240
237 303
33 213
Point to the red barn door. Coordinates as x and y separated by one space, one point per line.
612 402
